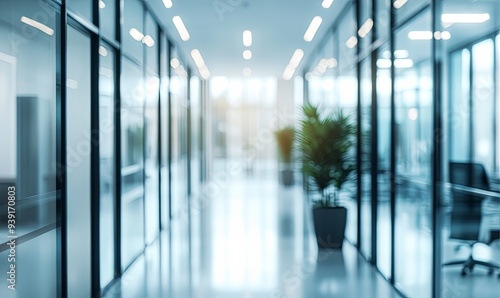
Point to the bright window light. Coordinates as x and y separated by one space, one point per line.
167 3
401 54
313 28
179 25
45 29
403 63
247 54
296 58
247 38
327 3
420 35
454 18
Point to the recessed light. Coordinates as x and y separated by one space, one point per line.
148 41
247 54
351 42
296 58
399 3
136 34
420 35
247 72
313 28
403 63
181 28
198 60
102 51
365 28
175 63
247 38
102 5
401 54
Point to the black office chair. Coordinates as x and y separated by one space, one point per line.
466 212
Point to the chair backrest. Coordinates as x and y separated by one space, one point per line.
466 210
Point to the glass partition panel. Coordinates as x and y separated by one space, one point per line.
29 80
413 104
78 148
164 128
132 165
107 162
384 83
366 166
107 18
81 7
133 36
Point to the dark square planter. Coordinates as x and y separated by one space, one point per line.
329 225
286 177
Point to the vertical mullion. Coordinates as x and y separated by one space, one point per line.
95 154
169 104
374 140
61 160
436 153
117 145
471 106
359 152
159 129
393 145
495 88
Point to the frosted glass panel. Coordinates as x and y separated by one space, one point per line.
78 164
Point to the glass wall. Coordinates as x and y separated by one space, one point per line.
107 159
29 80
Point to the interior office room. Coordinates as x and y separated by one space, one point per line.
144 148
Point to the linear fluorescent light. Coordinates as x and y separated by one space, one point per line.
198 60
247 54
247 38
331 63
365 28
466 18
179 25
327 3
136 34
296 58
399 3
420 35
148 41
288 73
167 3
313 28
45 29
205 74
351 42
403 63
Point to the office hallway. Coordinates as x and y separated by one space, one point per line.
250 237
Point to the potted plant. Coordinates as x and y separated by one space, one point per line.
326 143
285 138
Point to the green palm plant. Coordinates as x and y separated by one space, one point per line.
326 144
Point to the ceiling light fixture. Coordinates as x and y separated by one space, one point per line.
288 73
148 41
205 74
175 63
136 34
102 5
403 63
181 28
198 60
384 63
365 28
247 38
102 51
296 58
351 42
247 54
247 72
327 3
45 29
420 35
399 3
167 3
313 28
464 18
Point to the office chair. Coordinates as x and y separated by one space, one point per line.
466 212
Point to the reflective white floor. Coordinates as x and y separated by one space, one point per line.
249 237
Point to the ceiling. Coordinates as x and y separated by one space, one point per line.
216 28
